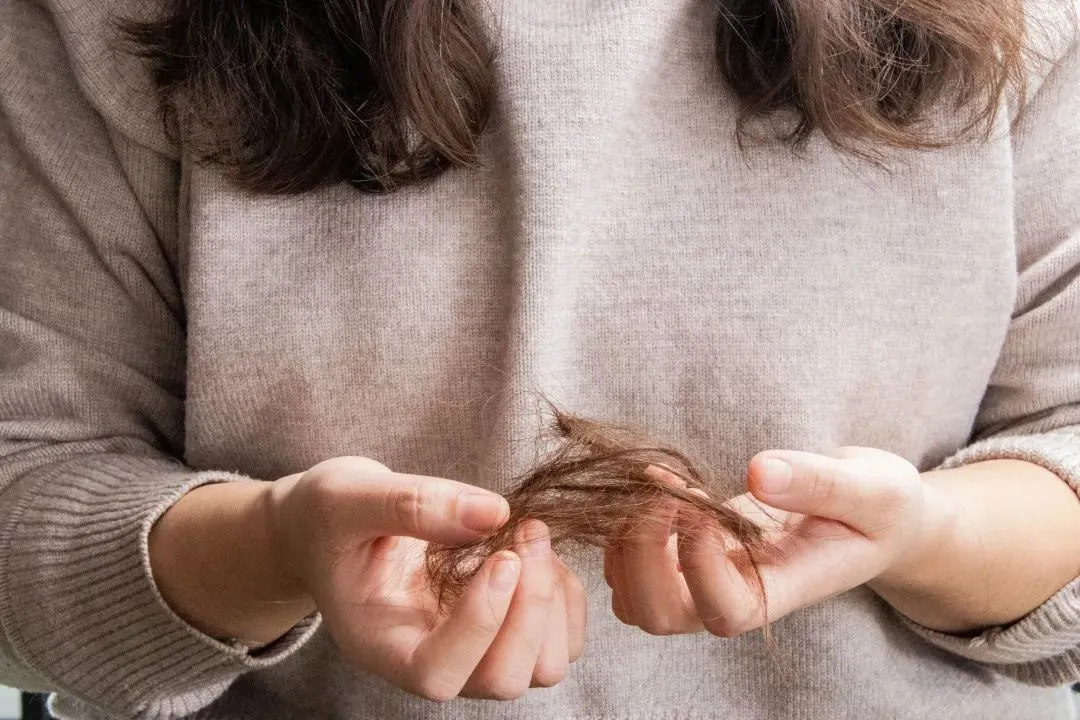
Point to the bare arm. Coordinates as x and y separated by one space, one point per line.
1009 539
217 565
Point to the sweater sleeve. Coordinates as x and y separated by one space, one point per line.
1031 410
91 400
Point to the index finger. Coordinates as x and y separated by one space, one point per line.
442 662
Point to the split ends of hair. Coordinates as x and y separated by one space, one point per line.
598 486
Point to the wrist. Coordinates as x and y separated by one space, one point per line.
923 581
1011 547
273 519
918 567
215 561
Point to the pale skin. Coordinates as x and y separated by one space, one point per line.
956 550
249 560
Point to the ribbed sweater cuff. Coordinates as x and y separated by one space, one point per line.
1042 648
79 606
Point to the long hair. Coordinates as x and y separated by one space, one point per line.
288 95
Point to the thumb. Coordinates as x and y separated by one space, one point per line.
861 490
431 509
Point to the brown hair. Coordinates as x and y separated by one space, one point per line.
597 485
288 96
868 73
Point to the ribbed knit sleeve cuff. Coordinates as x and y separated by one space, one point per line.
1042 648
78 603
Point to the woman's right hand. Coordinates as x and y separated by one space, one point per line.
354 533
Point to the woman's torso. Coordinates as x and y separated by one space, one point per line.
621 256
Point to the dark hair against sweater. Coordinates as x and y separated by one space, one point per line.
288 96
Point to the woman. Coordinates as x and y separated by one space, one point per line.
368 233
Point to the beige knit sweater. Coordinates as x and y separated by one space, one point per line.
160 329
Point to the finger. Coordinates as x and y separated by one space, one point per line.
576 610
726 603
867 492
506 670
609 576
619 607
814 564
824 558
731 600
700 493
381 502
654 589
442 662
554 657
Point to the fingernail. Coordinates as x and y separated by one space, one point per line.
777 476
534 539
482 511
505 573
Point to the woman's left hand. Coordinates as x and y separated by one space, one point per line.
837 522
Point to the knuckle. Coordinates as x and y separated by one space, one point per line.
549 674
366 466
435 692
326 484
658 621
317 487
406 506
540 593
502 688
724 627
822 485
330 467
347 465
507 692
657 628
434 686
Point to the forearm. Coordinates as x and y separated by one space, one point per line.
214 560
1004 536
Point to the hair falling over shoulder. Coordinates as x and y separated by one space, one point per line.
289 96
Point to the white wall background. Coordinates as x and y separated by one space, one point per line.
10 705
